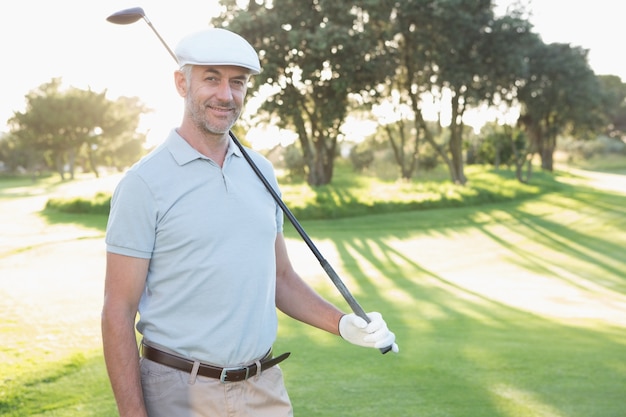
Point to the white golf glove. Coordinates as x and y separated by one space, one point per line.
374 334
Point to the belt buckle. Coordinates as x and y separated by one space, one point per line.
225 371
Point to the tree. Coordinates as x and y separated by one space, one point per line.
314 54
117 142
455 48
14 156
560 94
405 151
505 144
614 106
63 124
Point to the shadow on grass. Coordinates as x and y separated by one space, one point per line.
76 387
474 358
572 233
460 356
464 354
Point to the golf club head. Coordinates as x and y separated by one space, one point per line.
127 16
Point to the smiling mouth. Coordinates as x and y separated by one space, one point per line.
220 109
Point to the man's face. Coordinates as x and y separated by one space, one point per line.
214 97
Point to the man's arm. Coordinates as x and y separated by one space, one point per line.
124 284
297 299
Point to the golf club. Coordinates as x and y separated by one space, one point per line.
127 16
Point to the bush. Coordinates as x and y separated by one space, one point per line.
351 195
361 158
588 149
99 204
294 161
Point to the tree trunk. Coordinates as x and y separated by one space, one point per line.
428 136
406 161
519 158
72 162
456 150
320 163
547 154
92 161
496 162
456 140
318 157
60 165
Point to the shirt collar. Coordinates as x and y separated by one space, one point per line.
183 152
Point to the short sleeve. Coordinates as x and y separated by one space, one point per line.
132 219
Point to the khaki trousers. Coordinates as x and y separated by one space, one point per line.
169 392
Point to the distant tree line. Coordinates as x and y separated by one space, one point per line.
385 60
326 58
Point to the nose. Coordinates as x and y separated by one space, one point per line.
224 92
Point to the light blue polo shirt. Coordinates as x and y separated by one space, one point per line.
209 233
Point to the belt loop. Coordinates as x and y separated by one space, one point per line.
194 373
258 369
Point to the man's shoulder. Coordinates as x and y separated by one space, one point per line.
154 162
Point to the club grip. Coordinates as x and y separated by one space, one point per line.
383 350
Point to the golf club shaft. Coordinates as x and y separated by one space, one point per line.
160 38
334 277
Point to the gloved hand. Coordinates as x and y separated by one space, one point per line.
374 334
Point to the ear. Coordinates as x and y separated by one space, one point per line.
181 83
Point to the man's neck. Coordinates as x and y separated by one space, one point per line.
212 146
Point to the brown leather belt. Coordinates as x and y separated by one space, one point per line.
223 374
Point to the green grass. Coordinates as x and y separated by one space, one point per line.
73 387
351 195
601 162
464 353
508 308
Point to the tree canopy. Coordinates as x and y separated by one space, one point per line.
560 92
321 58
613 105
449 48
314 55
59 126
325 59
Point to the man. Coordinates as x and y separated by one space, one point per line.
195 246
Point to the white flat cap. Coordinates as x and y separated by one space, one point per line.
217 46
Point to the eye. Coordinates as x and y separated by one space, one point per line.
237 84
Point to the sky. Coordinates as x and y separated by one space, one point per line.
71 39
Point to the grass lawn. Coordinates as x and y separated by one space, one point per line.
500 310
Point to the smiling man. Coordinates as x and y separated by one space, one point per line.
195 246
